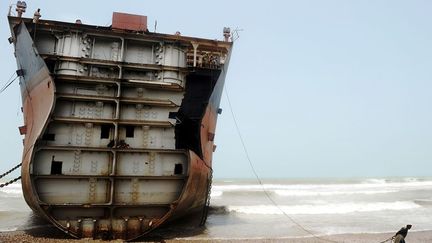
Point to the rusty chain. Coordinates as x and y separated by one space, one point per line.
210 188
10 182
208 197
6 173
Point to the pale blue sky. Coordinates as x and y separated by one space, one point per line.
319 88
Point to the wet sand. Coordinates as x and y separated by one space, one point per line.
38 230
35 229
51 235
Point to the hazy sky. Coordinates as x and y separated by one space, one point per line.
319 88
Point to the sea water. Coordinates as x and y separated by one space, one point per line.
281 208
294 208
13 209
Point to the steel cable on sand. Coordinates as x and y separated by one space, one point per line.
261 183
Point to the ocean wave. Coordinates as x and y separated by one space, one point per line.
249 187
365 184
375 181
216 193
329 193
412 179
424 202
13 190
335 208
367 187
9 229
301 193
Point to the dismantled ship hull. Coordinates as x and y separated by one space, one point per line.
119 123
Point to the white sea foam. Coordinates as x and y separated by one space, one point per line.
332 208
11 228
329 193
367 187
374 181
13 190
216 193
410 179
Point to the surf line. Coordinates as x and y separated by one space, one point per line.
259 179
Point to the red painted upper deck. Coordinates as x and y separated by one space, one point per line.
129 21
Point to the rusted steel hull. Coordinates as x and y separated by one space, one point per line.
119 127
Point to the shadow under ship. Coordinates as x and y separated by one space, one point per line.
119 123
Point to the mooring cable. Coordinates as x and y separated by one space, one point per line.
259 179
8 83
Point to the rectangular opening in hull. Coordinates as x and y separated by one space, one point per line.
178 169
48 137
56 167
130 131
105 131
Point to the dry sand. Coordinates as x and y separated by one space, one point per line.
52 235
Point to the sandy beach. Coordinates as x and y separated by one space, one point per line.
51 235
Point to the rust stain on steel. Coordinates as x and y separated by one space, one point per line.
133 228
208 127
22 130
87 228
213 45
37 107
193 195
